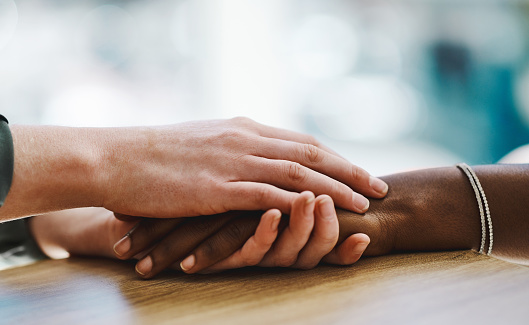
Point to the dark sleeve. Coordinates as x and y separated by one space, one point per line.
17 246
6 159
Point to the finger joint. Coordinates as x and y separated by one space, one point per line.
312 154
296 173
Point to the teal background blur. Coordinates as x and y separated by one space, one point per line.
391 85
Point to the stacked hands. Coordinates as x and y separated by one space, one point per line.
238 239
217 195
194 184
263 168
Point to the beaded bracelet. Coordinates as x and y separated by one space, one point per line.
483 207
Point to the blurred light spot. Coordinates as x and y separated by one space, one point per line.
522 95
495 35
8 21
181 33
324 47
367 108
92 105
250 73
382 53
108 32
519 155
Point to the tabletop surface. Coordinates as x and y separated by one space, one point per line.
421 288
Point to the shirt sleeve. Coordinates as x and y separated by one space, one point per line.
17 246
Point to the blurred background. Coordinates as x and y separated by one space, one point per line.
391 85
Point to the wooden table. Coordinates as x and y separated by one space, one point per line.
427 288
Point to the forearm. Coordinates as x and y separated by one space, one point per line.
436 209
55 168
507 190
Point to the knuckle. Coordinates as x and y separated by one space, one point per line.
161 252
327 234
328 239
250 260
312 153
237 139
286 261
242 120
233 233
229 135
355 173
148 227
295 172
340 190
208 249
200 226
261 194
358 173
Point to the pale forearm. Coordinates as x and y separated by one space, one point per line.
55 168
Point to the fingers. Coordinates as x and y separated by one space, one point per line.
296 177
258 196
294 237
178 243
349 251
213 260
326 163
220 245
324 235
143 236
277 133
280 144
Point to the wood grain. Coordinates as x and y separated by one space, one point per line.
427 288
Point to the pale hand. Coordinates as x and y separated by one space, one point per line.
211 167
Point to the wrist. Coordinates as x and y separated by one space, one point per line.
430 210
120 153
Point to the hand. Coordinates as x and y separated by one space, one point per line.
211 245
87 231
310 238
211 167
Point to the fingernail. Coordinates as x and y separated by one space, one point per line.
327 209
360 202
188 263
360 248
275 221
123 246
378 185
144 266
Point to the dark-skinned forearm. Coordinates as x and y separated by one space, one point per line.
436 209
